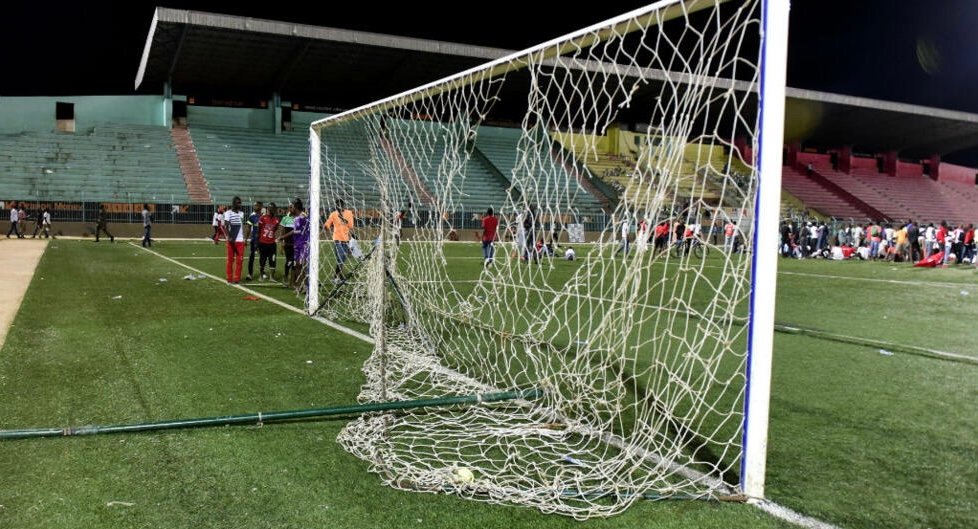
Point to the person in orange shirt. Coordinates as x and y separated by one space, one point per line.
340 221
902 244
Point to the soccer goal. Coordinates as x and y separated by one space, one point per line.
648 135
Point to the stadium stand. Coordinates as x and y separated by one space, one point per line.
480 186
501 147
107 162
919 197
907 195
817 196
619 170
252 164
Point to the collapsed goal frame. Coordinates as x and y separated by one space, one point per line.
421 143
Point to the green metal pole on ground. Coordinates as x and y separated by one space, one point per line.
260 418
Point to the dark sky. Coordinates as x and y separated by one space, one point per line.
922 52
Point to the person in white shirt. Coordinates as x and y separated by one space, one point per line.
234 229
625 224
13 221
46 223
42 222
217 222
930 238
857 235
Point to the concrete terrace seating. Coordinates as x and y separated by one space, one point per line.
348 145
921 198
817 197
874 197
474 188
109 163
501 147
252 164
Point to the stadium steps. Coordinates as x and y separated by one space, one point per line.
193 176
473 185
821 195
407 173
252 164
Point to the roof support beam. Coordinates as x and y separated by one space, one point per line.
283 74
176 53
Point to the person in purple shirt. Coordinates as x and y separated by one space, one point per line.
300 244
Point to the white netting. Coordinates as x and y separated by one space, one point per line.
641 352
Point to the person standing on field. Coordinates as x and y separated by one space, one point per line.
233 227
253 237
147 226
288 246
217 222
489 226
267 226
340 221
300 239
101 224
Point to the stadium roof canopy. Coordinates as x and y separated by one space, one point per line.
222 55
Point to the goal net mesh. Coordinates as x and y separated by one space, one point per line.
639 131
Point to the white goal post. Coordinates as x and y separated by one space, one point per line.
659 130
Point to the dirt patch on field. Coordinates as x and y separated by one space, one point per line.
18 260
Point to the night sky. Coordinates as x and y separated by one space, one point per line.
920 52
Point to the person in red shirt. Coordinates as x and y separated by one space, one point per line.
661 235
267 226
489 226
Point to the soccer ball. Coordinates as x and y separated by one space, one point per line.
461 475
569 254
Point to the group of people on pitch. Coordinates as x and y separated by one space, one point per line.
266 227
18 222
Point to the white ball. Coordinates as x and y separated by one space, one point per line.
462 475
569 254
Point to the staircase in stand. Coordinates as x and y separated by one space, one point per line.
193 177
408 173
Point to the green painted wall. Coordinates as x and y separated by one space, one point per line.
18 114
301 120
245 118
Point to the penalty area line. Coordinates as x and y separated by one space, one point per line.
329 323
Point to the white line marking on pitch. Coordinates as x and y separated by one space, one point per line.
877 280
324 321
788 515
769 507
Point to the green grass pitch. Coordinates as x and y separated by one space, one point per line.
858 438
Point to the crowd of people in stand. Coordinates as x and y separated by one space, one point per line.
924 245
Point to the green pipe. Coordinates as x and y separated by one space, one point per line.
259 418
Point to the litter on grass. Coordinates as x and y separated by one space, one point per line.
117 297
884 352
